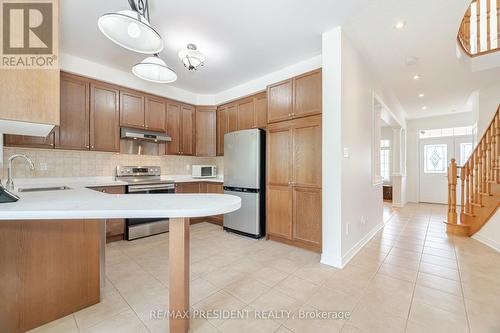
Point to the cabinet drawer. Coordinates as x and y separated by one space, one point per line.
110 189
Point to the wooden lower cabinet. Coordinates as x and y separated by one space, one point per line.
279 211
115 228
48 270
306 220
202 187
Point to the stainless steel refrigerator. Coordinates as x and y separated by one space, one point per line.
244 176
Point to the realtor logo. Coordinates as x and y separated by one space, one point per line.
28 34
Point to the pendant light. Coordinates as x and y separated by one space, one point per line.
154 69
191 57
131 29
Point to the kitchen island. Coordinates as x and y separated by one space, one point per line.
50 243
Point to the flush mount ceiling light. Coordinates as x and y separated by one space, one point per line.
424 108
131 29
421 95
154 69
416 77
191 57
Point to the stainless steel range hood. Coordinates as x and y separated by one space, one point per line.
138 134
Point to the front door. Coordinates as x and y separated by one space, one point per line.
435 155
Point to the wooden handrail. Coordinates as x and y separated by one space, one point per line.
477 175
472 45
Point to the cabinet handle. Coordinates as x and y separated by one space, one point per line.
92 147
293 114
87 146
289 115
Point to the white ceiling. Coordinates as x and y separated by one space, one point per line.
244 40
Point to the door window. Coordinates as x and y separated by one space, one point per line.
465 151
435 157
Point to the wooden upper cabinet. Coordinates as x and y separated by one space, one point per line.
279 103
279 161
206 131
306 154
232 118
154 117
260 110
307 94
246 113
26 141
73 131
221 129
104 117
307 216
188 130
173 128
131 109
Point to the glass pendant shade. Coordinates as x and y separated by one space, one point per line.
131 30
154 69
191 57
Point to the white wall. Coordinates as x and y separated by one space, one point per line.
77 65
261 83
490 232
413 126
485 104
352 206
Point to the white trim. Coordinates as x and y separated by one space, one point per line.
342 262
488 242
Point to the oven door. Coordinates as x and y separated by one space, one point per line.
143 227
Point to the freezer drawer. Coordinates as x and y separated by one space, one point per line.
247 219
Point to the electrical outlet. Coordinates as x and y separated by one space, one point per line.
363 220
347 229
43 166
188 167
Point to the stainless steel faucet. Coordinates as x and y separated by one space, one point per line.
10 183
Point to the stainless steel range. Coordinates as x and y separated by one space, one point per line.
144 180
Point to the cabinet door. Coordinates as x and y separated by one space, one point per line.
187 187
279 211
214 188
279 166
154 118
26 141
206 131
246 115
188 130
174 128
306 149
232 118
221 130
307 94
307 216
260 110
104 117
131 109
74 129
279 102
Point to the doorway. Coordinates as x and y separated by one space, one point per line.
435 154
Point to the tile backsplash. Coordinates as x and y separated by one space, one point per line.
66 163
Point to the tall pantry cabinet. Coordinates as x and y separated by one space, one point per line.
294 161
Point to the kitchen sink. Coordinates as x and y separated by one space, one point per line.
44 189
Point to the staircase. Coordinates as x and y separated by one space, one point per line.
480 29
479 179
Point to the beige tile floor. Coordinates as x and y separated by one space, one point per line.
411 277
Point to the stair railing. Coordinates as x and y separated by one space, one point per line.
476 175
478 33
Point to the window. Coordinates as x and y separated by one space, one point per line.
435 157
385 159
446 132
465 151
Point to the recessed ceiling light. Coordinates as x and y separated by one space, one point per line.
416 77
424 108
421 95
400 25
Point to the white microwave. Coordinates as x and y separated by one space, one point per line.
204 171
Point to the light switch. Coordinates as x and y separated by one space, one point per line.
346 152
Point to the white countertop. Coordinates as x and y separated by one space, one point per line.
82 203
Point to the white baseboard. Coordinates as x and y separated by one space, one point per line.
487 241
359 245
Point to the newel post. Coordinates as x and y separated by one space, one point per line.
452 192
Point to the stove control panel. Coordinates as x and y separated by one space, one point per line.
124 171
